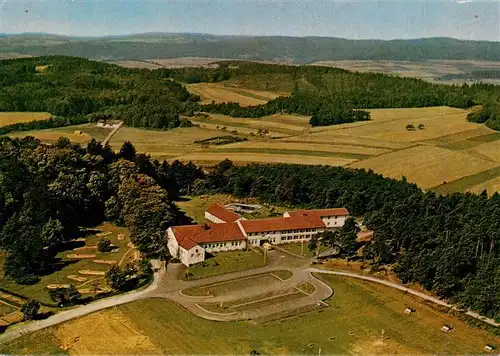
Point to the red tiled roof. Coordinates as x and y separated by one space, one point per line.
280 224
223 213
189 236
320 212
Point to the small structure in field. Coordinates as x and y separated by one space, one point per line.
446 328
489 348
78 132
408 311
57 286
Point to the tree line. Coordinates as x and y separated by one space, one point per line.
448 244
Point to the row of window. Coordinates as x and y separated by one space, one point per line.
222 244
282 231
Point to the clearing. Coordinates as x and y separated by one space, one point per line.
220 94
9 118
353 323
81 134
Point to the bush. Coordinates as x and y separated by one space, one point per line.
104 245
30 309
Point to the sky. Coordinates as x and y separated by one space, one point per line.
463 19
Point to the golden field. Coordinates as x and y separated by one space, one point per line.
9 118
219 93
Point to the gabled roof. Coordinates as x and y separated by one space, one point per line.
223 213
320 212
281 224
189 236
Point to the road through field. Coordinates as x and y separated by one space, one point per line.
163 286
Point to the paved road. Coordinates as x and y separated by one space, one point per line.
167 285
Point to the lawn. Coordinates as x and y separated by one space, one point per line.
225 262
353 323
9 118
296 248
71 267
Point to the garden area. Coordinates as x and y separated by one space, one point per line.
81 265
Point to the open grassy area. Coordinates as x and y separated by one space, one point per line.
234 285
9 118
67 266
352 325
219 93
297 249
224 262
81 134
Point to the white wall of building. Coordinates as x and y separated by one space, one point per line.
279 237
173 246
191 256
213 218
334 221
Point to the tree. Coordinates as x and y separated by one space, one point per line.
127 151
116 278
65 295
347 237
104 245
145 268
30 309
410 127
421 126
52 234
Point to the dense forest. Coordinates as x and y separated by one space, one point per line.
49 193
448 244
74 87
488 114
269 48
474 75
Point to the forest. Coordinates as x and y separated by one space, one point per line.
49 194
79 90
75 87
448 244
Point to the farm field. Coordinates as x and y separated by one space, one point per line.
351 325
81 134
9 118
219 93
446 148
78 265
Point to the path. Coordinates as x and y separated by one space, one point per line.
106 140
167 285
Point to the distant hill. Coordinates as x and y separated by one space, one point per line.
271 48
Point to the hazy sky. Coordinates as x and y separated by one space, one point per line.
465 19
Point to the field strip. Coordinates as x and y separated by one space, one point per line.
305 147
472 135
467 182
10 118
336 138
264 158
293 152
491 186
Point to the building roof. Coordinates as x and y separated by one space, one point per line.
281 224
223 213
320 212
189 236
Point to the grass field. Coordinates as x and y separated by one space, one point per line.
224 262
296 248
71 267
353 323
9 118
81 134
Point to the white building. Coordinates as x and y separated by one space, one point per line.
229 231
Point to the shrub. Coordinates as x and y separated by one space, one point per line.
104 245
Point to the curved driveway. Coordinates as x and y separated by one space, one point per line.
167 285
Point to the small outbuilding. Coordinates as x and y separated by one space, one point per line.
408 311
489 348
446 328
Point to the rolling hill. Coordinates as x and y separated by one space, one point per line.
267 48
